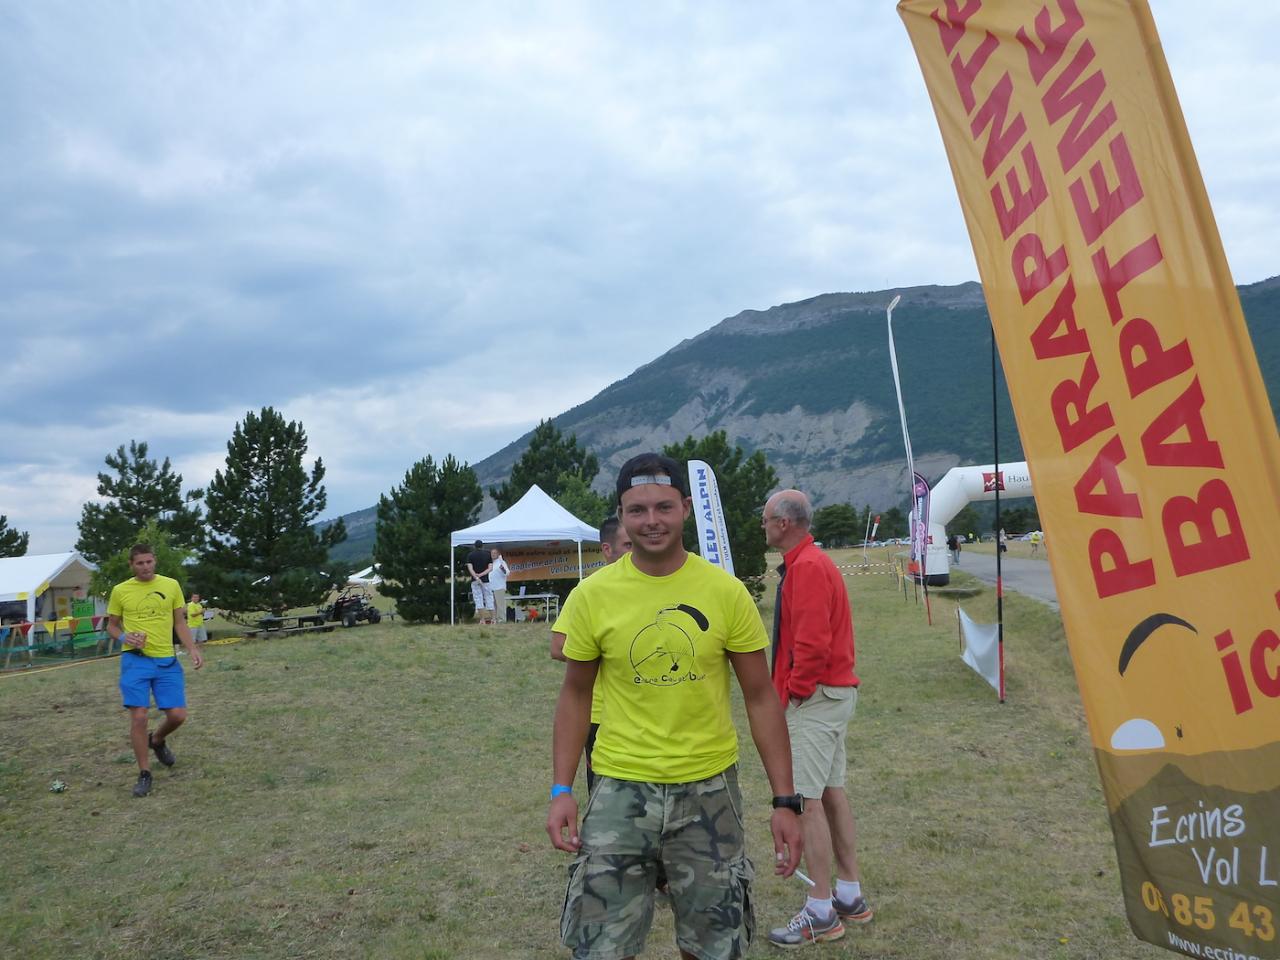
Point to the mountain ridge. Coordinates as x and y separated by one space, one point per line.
819 399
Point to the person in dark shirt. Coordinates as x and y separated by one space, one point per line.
478 565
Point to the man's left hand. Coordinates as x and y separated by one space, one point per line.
197 661
788 844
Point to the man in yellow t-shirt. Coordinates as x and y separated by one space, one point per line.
195 619
143 613
614 542
659 631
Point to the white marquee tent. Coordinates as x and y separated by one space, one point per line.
534 518
41 579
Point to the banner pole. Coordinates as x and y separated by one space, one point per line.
995 444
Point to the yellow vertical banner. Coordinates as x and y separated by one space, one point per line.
1151 444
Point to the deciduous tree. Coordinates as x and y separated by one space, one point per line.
414 523
139 491
171 560
265 552
578 498
837 525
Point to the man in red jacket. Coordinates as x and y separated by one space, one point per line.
813 674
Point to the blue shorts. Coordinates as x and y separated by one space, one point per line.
141 676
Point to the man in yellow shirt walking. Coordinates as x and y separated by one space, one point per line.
195 619
143 613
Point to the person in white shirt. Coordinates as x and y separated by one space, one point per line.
498 573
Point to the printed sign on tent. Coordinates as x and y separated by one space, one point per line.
555 562
1147 431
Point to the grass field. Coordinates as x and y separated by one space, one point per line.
380 792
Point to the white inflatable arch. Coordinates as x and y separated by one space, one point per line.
961 486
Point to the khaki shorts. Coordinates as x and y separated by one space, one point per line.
817 728
696 831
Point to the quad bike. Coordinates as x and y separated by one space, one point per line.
350 607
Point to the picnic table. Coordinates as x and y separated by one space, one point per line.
294 623
549 602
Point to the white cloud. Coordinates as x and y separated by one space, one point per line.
423 230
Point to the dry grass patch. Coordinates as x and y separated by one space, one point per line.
380 792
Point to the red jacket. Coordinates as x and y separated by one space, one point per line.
816 629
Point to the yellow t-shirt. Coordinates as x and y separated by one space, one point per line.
662 645
195 614
597 691
148 607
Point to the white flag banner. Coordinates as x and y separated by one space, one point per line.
708 516
981 648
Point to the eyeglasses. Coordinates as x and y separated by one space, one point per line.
766 518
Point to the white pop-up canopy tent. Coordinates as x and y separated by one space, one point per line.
368 577
27 579
534 518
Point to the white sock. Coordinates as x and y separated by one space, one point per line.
848 891
822 909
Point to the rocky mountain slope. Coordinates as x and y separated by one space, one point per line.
810 384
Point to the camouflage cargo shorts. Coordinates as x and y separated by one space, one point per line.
696 831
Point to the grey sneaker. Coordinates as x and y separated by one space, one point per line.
805 928
855 912
143 786
162 752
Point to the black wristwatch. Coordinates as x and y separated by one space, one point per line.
794 802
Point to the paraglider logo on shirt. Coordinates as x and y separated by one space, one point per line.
663 652
153 606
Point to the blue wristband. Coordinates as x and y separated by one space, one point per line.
559 790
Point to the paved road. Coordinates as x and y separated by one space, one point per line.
1028 577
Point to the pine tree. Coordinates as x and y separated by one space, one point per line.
140 491
744 483
265 552
548 459
414 523
12 542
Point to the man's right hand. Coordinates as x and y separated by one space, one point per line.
135 639
562 823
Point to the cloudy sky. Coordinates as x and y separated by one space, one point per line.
421 227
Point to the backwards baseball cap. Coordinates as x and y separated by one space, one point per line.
652 468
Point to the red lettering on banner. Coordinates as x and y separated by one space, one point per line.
1157 364
966 72
1070 395
1111 203
1268 681
1040 60
951 28
1043 269
1115 277
1046 341
1060 98
1211 549
1183 413
1122 575
1021 203
1114 501
993 113
1241 699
